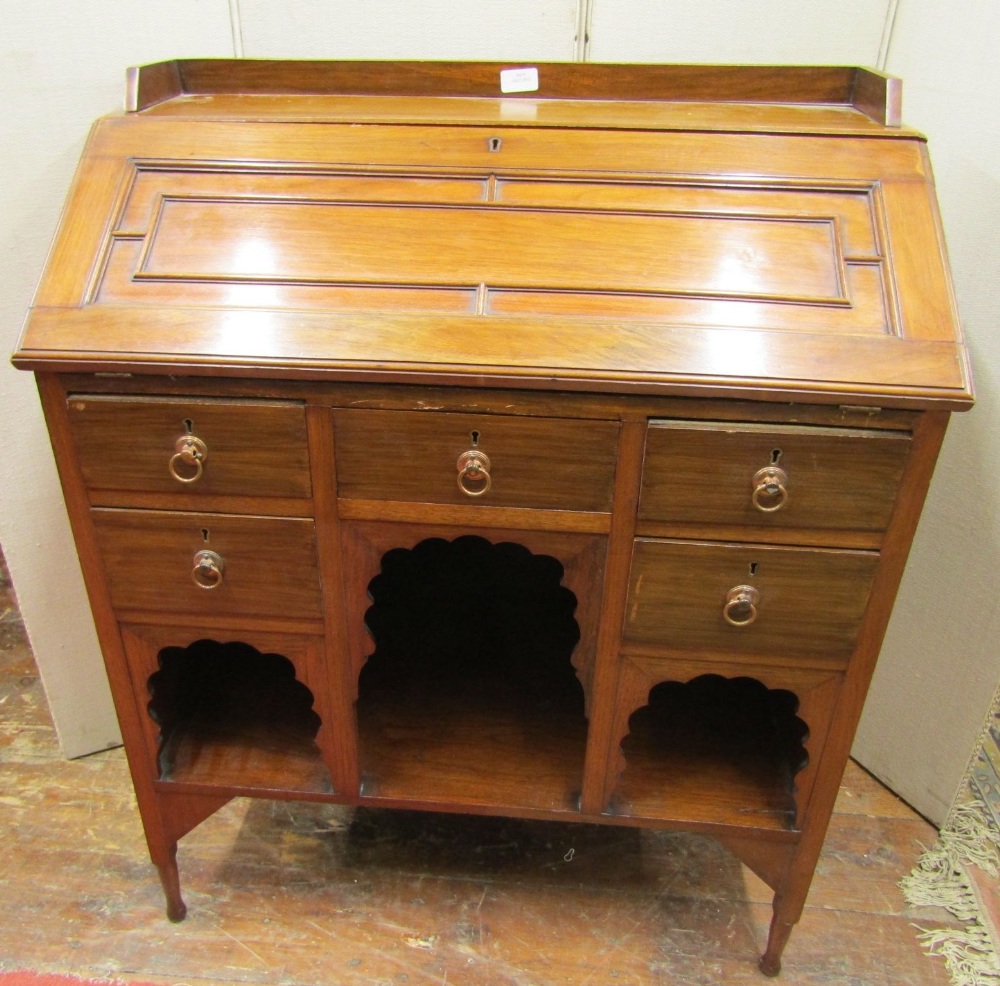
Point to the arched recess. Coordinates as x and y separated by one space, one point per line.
718 742
245 706
472 683
230 715
581 556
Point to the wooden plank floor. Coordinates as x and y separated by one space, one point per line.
311 894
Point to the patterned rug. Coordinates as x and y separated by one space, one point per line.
43 979
960 871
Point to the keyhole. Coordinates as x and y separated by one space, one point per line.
475 438
204 534
775 456
494 143
753 569
189 426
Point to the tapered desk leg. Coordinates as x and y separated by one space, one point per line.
781 929
171 881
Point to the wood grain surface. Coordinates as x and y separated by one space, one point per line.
270 563
553 464
811 600
769 234
256 447
838 480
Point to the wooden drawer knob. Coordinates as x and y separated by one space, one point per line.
186 464
770 489
474 473
741 606
208 570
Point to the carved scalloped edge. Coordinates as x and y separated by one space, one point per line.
795 725
424 551
279 671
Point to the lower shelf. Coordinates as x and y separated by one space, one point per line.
471 753
706 789
249 757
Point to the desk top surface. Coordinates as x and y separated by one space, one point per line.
698 230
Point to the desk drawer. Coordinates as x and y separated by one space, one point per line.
248 448
809 601
543 463
268 565
833 479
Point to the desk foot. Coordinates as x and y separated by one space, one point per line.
171 882
770 962
770 967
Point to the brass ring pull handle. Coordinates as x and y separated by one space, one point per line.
208 570
186 464
741 606
770 489
474 473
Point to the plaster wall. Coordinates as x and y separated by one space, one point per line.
941 661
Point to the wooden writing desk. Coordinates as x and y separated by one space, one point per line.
553 454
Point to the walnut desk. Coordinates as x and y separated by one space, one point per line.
553 454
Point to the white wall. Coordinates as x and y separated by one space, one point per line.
433 29
790 32
65 66
941 662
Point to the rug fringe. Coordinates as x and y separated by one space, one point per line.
941 879
968 954
971 838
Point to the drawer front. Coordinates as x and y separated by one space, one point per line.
783 476
809 601
248 448
544 463
268 565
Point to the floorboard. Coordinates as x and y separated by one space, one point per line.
308 895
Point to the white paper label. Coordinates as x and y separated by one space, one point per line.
519 80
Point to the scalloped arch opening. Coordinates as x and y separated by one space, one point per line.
470 695
726 735
229 701
469 614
